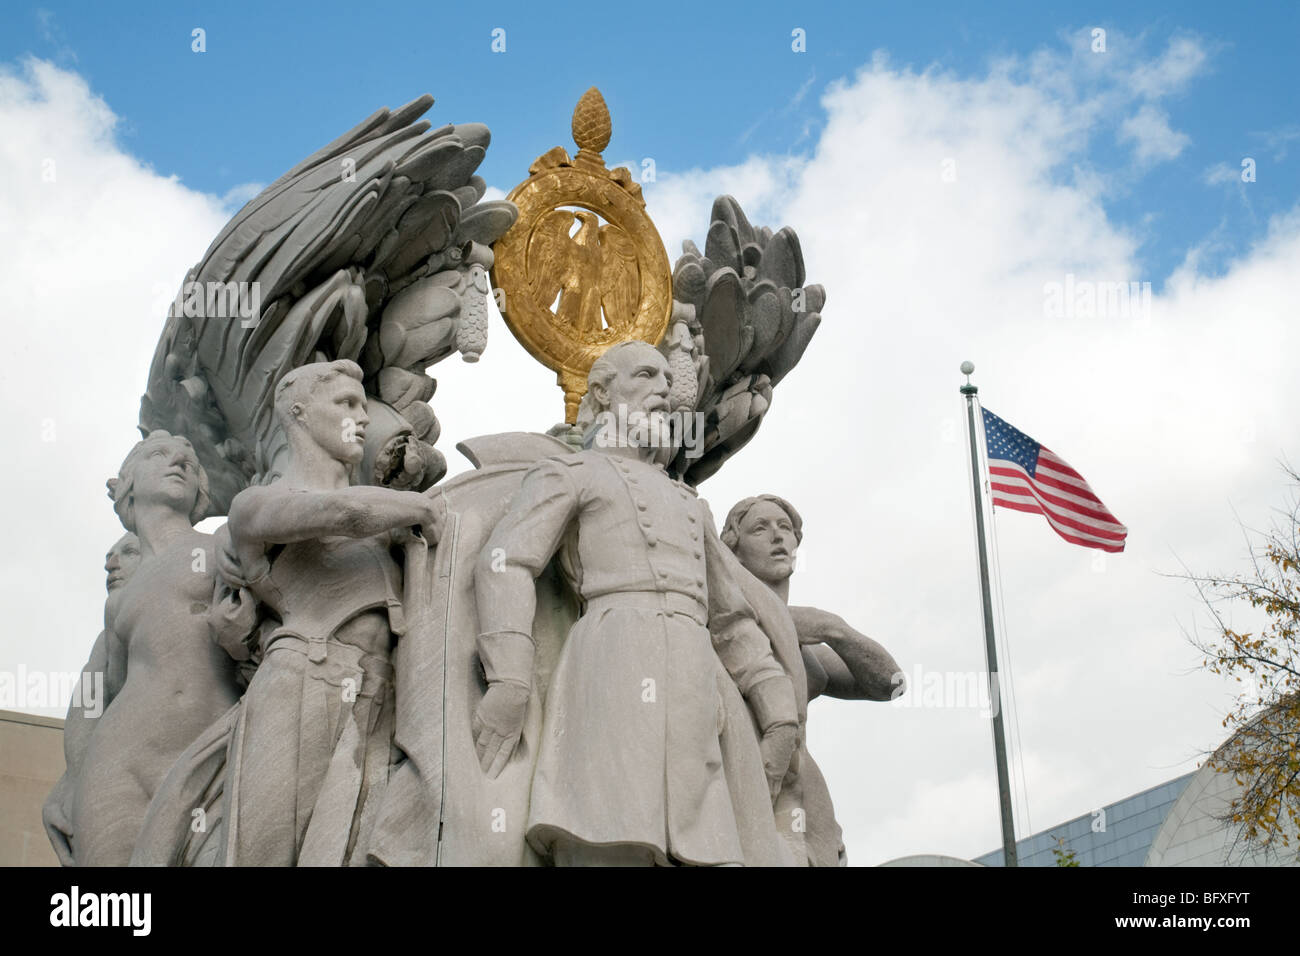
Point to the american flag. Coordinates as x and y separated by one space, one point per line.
1026 476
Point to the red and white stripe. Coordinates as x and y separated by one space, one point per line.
1059 494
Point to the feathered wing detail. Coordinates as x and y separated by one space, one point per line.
375 248
745 310
620 278
548 249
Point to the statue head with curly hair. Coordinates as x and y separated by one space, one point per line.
162 468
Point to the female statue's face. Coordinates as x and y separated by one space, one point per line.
335 417
167 473
766 542
122 560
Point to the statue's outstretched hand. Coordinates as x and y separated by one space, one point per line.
232 620
432 522
228 566
430 518
498 722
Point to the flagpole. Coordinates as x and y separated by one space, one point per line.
990 649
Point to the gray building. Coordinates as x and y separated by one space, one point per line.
1119 834
1178 823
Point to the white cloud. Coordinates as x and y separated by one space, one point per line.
1154 140
236 196
1175 418
90 240
1121 87
1223 173
1183 59
1279 140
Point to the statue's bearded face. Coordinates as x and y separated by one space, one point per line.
334 415
641 383
167 472
122 560
767 543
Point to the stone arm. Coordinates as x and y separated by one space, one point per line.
818 679
234 616
746 653
262 516
517 551
841 662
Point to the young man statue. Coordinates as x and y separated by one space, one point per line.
311 750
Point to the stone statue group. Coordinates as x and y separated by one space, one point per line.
669 725
554 658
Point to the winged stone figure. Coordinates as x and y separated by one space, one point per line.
375 248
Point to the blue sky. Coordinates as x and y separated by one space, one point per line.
691 85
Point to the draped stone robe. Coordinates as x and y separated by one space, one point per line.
630 750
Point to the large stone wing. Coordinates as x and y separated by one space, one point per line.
749 318
620 277
389 214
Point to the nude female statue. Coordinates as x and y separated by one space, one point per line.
174 680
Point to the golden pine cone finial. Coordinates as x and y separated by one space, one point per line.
591 125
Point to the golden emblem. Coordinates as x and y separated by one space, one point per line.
575 285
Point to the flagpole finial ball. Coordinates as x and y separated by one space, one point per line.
967 367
